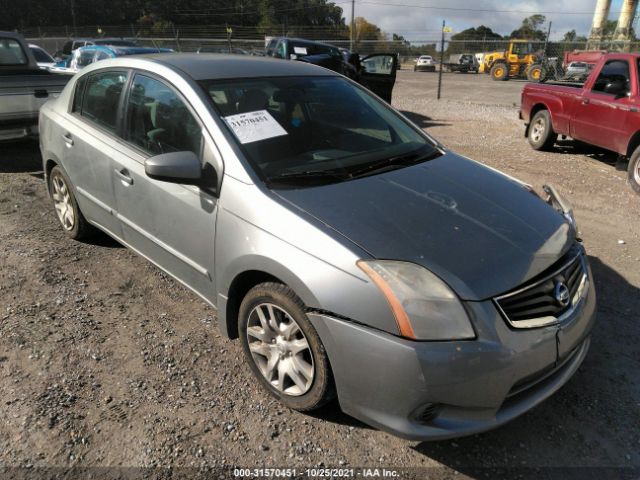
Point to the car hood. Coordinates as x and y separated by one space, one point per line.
478 230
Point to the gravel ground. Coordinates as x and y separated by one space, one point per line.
107 362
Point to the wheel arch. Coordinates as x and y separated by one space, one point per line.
634 143
256 271
48 166
537 107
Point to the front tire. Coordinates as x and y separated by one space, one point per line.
633 171
500 72
67 211
283 349
541 135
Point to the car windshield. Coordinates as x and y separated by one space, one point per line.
297 130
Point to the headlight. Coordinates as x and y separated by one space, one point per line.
425 308
561 205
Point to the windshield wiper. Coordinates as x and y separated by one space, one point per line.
393 163
308 174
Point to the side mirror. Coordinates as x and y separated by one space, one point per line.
176 167
616 87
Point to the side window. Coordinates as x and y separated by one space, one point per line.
614 70
101 98
78 94
271 47
159 121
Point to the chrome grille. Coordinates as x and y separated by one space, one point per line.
546 300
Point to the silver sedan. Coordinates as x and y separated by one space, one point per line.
351 253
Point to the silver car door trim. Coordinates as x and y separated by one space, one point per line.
93 199
199 268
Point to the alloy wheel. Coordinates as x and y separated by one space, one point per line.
280 349
62 202
537 129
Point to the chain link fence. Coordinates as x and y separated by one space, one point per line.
190 38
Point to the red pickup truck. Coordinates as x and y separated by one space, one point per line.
605 111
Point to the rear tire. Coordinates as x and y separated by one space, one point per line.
67 210
499 72
283 349
633 171
541 135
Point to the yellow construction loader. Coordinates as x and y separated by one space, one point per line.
518 60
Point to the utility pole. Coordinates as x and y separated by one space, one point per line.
546 40
73 16
353 25
441 61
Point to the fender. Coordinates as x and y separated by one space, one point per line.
559 110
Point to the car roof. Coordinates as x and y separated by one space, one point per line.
205 66
304 40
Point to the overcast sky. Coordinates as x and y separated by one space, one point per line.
503 16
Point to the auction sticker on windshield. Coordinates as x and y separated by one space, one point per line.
254 126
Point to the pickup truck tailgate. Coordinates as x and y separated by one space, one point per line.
21 96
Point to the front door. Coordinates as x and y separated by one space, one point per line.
378 74
600 118
171 224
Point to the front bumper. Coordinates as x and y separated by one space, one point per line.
440 390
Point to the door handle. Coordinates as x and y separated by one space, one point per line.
585 101
41 93
123 175
68 139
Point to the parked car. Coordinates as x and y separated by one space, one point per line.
351 253
24 88
603 111
578 70
44 60
84 56
76 43
377 72
462 62
425 63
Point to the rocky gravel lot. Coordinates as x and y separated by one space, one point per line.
107 362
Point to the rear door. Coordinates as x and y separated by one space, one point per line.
89 137
601 118
378 74
171 224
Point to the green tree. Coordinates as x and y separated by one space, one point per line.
531 28
473 40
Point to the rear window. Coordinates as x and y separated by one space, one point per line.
11 52
41 55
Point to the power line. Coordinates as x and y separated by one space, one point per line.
481 10
256 12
